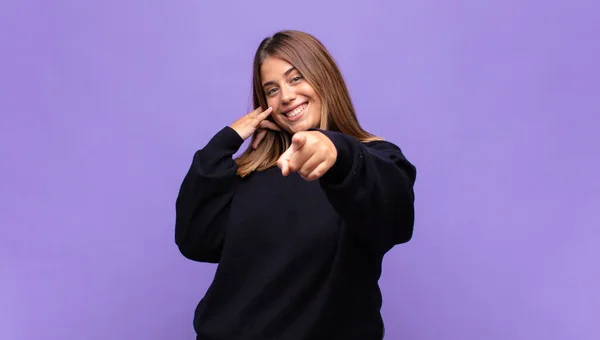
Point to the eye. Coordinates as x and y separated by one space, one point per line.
271 91
296 79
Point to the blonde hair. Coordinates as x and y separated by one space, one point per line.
312 60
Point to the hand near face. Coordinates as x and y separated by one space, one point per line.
263 127
255 121
311 154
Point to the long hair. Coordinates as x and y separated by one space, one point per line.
316 65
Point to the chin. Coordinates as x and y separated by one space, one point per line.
299 127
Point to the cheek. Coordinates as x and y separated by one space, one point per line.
316 112
274 103
278 119
271 102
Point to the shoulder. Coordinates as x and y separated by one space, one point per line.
382 144
391 152
384 147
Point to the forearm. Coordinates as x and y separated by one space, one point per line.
202 203
372 188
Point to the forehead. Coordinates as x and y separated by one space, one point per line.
274 68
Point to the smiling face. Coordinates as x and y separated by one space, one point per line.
296 105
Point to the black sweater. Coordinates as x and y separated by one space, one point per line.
296 259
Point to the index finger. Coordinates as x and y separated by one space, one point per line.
283 161
258 114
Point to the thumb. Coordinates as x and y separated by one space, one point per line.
298 141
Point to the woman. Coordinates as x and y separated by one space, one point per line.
300 222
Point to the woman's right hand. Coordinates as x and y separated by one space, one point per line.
253 121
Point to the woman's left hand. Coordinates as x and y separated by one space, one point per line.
311 154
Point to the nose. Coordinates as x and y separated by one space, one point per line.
287 94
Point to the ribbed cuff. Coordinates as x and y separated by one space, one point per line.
226 140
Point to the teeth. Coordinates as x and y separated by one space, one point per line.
296 111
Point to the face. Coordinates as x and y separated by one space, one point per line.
296 105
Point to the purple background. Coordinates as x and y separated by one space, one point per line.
496 102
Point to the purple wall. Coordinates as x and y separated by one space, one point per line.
103 103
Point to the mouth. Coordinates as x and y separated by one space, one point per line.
296 112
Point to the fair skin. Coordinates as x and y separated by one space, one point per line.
295 108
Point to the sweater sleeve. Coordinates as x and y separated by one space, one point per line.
203 203
371 186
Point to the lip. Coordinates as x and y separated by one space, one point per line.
297 116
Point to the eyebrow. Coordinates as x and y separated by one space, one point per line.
290 70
